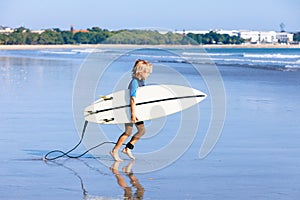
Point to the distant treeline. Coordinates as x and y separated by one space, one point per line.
215 38
97 35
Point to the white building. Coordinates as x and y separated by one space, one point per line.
252 36
5 30
195 32
267 37
270 37
259 36
284 37
37 31
228 32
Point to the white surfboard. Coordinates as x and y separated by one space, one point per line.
152 102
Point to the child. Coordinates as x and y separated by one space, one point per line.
140 72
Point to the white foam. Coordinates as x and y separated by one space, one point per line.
193 53
58 52
293 66
221 54
278 55
206 54
89 50
273 61
254 61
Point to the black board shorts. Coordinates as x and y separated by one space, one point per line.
131 124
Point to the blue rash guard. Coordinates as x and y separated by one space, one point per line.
133 86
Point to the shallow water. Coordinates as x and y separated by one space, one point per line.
255 157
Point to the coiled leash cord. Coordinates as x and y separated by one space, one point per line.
62 153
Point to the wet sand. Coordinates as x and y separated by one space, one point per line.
256 157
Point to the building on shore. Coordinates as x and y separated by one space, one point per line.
5 30
259 36
195 32
254 37
72 30
284 37
219 31
37 31
228 32
270 37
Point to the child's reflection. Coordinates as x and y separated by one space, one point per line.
133 180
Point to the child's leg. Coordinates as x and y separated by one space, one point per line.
129 146
141 131
124 136
121 140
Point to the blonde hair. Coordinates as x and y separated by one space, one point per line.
140 67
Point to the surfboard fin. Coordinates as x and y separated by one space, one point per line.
109 120
105 98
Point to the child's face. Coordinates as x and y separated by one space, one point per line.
145 74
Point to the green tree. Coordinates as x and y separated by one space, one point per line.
20 30
32 38
50 37
68 37
4 39
82 37
215 38
95 29
170 38
17 38
96 35
296 37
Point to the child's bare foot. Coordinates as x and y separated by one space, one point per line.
128 153
115 155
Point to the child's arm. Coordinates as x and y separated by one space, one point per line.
134 119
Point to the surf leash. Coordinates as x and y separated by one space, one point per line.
62 153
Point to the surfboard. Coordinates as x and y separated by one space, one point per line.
153 101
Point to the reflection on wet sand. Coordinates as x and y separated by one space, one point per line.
120 176
133 180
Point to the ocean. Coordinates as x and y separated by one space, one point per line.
253 98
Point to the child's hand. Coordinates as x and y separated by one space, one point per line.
134 119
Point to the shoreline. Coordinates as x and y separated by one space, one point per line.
86 46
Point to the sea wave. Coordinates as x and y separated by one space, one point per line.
272 64
262 67
277 66
58 52
206 54
263 61
280 62
73 51
292 67
89 50
146 56
276 55
241 60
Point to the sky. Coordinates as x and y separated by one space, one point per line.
265 15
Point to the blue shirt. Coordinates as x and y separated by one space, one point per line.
133 86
